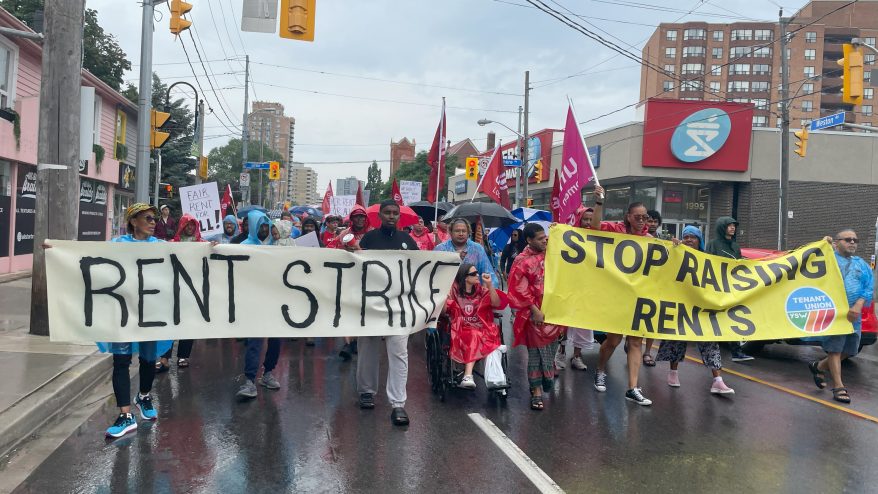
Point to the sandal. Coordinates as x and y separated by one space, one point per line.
819 376
648 360
536 402
183 362
841 395
161 368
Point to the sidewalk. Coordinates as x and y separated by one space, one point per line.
38 377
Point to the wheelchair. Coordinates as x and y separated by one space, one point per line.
443 372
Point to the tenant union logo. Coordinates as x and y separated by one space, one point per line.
810 309
701 135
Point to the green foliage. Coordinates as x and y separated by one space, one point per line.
374 183
225 165
419 171
99 152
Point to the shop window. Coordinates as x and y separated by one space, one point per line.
616 202
686 203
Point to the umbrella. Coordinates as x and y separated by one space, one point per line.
500 236
426 210
243 212
407 217
493 215
307 210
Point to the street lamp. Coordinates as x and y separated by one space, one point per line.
524 168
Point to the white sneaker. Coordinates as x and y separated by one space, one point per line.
578 364
719 388
467 382
560 360
673 379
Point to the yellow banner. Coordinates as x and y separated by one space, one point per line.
641 286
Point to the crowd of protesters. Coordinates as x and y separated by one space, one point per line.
471 306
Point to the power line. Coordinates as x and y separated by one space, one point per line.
221 98
219 38
198 83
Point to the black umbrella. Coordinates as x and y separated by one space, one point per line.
243 212
493 215
426 209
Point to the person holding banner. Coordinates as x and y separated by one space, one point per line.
634 223
349 240
675 351
859 285
259 229
577 337
526 284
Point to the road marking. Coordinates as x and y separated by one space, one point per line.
541 481
793 392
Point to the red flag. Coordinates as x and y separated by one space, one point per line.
327 199
436 160
395 193
493 182
227 201
360 200
556 198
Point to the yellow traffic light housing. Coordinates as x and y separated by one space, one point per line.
169 190
178 9
472 168
852 84
297 19
157 137
274 170
202 167
530 202
538 167
802 141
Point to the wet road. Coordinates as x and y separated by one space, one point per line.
777 435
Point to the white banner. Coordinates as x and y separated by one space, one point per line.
411 191
342 205
119 292
202 201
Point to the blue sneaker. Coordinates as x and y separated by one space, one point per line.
124 424
147 411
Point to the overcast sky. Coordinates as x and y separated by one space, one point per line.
474 48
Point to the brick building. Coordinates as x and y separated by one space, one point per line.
741 62
404 150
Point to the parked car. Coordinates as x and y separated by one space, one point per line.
870 322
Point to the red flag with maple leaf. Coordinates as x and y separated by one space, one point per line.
395 193
436 160
327 200
493 183
360 200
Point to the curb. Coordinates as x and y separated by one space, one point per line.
20 421
18 275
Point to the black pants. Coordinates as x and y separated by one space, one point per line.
184 349
122 380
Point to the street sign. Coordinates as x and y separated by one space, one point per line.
511 162
256 166
244 180
830 121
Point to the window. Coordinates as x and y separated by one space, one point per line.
714 86
868 93
119 151
870 41
739 69
693 51
692 86
716 70
869 58
807 105
808 88
741 34
739 100
761 69
717 35
694 34
668 85
866 110
810 37
867 76
8 55
96 130
762 52
760 121
717 53
671 35
669 69
692 69
739 86
810 54
763 34
670 53
761 103
740 51
759 86
809 71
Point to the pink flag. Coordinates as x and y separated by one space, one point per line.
576 170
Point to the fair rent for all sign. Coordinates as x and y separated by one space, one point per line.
202 202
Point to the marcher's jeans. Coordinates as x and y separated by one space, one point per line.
122 380
397 366
254 350
184 349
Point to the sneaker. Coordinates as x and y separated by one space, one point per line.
719 388
144 404
467 382
247 390
269 381
124 424
578 364
560 360
636 395
600 381
346 352
673 379
367 401
739 356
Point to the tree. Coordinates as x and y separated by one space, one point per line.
225 166
103 56
375 184
419 171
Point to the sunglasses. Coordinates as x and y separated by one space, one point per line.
640 217
475 273
850 240
150 218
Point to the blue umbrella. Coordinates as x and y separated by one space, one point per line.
500 236
310 211
243 212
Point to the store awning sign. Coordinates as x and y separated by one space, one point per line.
700 135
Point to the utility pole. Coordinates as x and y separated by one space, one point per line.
783 208
261 154
144 104
158 175
58 148
245 134
200 138
521 168
524 165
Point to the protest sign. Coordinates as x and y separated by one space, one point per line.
410 191
342 205
202 202
118 292
641 286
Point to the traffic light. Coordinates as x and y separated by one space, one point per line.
530 202
157 137
802 142
202 167
273 170
178 8
538 167
297 19
166 190
472 168
852 84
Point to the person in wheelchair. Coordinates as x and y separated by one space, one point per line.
470 308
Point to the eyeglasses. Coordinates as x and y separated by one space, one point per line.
640 217
474 273
149 219
850 240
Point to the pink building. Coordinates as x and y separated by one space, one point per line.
109 123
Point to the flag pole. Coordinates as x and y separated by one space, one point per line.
482 178
587 154
439 163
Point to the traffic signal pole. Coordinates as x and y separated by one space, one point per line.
524 166
784 183
144 105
